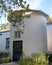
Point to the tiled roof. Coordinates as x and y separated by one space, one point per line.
4 30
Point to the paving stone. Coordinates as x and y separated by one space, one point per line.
12 63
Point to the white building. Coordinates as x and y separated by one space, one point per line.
4 40
34 37
49 36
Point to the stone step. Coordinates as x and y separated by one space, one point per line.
12 63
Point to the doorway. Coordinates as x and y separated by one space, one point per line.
17 50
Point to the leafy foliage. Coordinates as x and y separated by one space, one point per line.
5 25
17 16
4 57
50 19
35 59
9 5
4 60
50 57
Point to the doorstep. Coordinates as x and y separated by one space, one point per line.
11 63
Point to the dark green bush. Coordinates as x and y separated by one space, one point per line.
25 61
4 60
0 60
50 58
50 64
4 57
2 54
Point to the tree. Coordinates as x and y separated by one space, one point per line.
5 26
10 5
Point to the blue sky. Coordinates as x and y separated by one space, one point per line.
44 5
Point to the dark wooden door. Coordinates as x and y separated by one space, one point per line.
17 50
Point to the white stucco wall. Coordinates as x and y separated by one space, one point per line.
35 34
3 41
49 37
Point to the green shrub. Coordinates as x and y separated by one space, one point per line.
50 64
2 54
4 57
50 58
25 61
35 59
0 60
4 60
40 59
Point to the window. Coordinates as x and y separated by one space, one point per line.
17 34
0 34
7 43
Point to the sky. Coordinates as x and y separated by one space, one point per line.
43 5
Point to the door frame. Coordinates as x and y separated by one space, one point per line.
19 48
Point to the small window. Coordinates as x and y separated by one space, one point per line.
17 34
0 34
0 5
7 43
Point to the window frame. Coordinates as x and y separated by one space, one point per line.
17 34
7 43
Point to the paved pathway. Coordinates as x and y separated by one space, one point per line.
12 63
